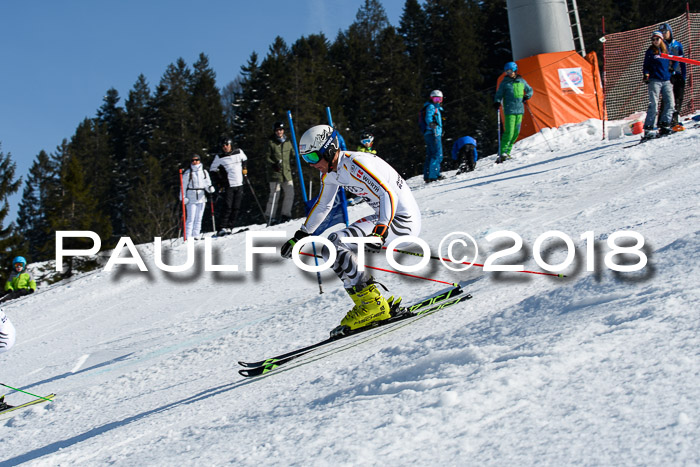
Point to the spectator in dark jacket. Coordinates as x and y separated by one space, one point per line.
658 78
279 170
677 70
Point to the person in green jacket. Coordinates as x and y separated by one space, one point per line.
279 170
20 282
366 142
513 91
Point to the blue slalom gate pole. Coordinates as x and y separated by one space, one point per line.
303 189
343 199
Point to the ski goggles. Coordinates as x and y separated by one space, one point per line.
437 99
312 157
366 141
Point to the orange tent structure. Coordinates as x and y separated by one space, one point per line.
567 89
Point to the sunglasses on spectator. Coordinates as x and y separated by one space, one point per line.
196 160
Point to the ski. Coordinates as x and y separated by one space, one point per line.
9 411
424 307
658 136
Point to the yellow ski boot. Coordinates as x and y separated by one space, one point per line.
370 306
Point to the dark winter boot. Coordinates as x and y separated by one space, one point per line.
649 133
664 130
3 405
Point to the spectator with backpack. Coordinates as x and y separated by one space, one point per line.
464 151
233 163
513 91
430 123
677 70
20 282
197 184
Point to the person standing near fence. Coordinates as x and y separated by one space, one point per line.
513 91
234 163
279 171
658 78
197 184
677 70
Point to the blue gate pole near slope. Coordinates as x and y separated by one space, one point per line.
303 188
343 200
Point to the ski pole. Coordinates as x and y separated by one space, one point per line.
213 221
303 189
40 397
272 209
254 196
184 211
393 272
498 126
405 252
537 126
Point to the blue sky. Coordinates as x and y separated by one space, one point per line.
58 58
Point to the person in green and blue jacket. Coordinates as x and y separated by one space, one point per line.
513 91
366 142
20 282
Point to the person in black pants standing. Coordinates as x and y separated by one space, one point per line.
233 162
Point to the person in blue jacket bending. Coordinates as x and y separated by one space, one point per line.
464 151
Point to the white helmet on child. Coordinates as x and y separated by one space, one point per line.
436 93
320 141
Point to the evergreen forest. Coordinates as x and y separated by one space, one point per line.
118 174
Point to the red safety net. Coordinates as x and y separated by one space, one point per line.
623 57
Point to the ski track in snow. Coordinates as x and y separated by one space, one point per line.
598 368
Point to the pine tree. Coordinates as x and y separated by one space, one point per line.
112 120
173 141
395 128
75 207
9 240
33 217
207 113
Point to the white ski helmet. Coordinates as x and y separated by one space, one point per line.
320 141
436 93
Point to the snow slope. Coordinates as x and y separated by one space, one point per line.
597 368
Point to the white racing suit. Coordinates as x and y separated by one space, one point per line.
7 333
370 177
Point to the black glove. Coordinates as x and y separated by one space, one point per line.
12 295
278 167
525 98
645 79
677 79
288 246
497 105
380 231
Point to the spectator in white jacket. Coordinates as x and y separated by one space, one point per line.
197 184
234 163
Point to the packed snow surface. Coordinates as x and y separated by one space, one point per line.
597 368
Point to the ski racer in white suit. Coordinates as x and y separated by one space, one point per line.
7 340
396 214
7 333
197 183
